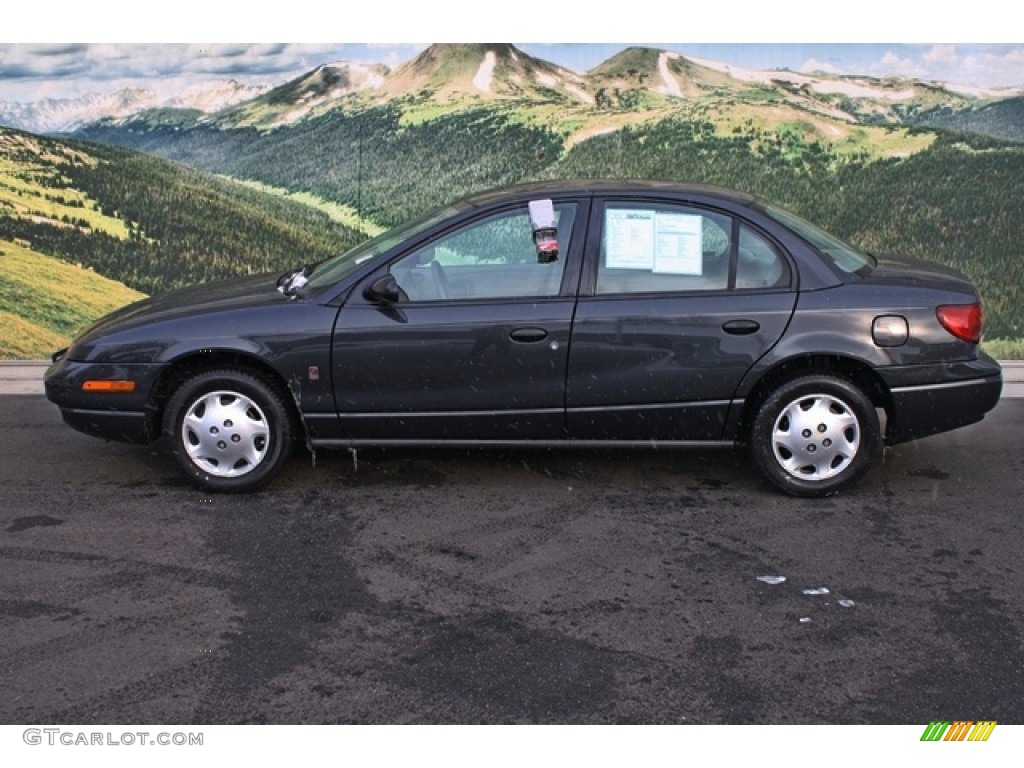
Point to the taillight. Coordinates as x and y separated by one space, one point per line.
962 320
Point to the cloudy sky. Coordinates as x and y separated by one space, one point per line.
67 68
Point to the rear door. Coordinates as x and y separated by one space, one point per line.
677 303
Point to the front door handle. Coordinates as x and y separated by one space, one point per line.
741 327
528 335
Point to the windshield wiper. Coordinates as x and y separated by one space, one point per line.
290 282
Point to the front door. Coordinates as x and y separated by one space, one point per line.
476 348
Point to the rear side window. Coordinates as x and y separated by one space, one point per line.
654 248
665 248
758 263
842 255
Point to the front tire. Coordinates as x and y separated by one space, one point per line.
229 431
815 435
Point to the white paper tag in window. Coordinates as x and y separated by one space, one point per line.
678 246
629 238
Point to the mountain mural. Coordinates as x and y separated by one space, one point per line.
459 74
313 93
495 71
63 115
926 169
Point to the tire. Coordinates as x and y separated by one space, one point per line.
815 435
229 431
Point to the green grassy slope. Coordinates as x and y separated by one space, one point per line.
151 224
44 301
87 228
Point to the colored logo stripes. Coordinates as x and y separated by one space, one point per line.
958 730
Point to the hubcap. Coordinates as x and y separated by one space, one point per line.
225 434
816 437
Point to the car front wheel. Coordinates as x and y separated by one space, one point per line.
228 430
815 435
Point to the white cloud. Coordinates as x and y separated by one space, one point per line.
941 54
992 68
816 65
892 64
986 66
26 71
394 55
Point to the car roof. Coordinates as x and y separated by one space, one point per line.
631 187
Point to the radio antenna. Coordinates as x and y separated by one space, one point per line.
359 170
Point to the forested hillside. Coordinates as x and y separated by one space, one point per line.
956 199
958 202
148 223
1002 119
370 161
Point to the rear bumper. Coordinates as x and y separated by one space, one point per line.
955 395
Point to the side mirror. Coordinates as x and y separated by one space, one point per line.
383 290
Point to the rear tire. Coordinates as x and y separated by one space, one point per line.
229 430
815 435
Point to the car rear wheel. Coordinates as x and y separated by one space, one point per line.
815 435
229 430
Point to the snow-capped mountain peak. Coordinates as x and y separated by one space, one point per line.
63 115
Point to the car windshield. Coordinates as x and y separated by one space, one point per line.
842 255
333 269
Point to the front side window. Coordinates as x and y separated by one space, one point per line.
495 257
330 271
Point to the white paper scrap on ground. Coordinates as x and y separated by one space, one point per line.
847 603
771 579
818 591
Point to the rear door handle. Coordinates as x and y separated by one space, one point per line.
528 335
741 327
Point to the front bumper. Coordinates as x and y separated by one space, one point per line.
930 399
123 416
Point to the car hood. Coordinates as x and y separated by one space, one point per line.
205 298
892 270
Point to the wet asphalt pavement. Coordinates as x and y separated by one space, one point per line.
449 586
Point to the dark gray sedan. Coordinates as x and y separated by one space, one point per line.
558 314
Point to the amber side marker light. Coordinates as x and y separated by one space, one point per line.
108 386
